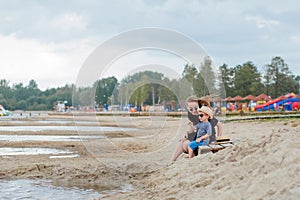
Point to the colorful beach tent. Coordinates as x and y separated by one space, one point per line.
249 97
229 98
238 98
262 97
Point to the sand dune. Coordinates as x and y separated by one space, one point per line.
264 162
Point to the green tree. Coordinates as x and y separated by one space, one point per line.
20 92
201 87
166 92
278 78
247 80
191 75
33 89
83 96
5 89
21 105
6 94
207 78
297 79
62 94
142 88
226 81
104 90
140 95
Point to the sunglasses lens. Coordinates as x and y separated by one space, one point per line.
194 109
200 115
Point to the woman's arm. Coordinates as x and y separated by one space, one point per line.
190 129
220 129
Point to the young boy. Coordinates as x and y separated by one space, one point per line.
204 130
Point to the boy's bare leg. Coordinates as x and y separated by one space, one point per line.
185 146
191 152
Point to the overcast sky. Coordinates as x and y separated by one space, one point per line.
49 41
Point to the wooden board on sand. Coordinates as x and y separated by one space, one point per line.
214 147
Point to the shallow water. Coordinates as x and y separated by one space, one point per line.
51 138
48 122
37 189
65 156
44 190
8 151
64 128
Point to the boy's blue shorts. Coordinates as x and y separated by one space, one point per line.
193 145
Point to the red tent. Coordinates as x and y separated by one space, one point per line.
238 98
229 98
262 97
249 97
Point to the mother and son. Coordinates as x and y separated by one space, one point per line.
201 128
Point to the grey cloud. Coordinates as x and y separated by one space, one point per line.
220 25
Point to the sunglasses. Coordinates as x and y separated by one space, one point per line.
193 109
201 115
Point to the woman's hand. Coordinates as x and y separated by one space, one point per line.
183 139
198 140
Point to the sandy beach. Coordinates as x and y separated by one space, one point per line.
263 163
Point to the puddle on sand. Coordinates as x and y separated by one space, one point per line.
44 190
65 156
50 138
34 189
7 151
64 128
48 122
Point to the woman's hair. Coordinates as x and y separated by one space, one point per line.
192 99
201 101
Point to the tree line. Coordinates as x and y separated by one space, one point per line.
149 88
30 97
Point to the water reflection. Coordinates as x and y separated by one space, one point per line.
65 156
12 122
7 151
42 190
64 128
51 138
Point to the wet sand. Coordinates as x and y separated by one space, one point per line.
264 163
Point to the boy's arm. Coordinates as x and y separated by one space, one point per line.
202 138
